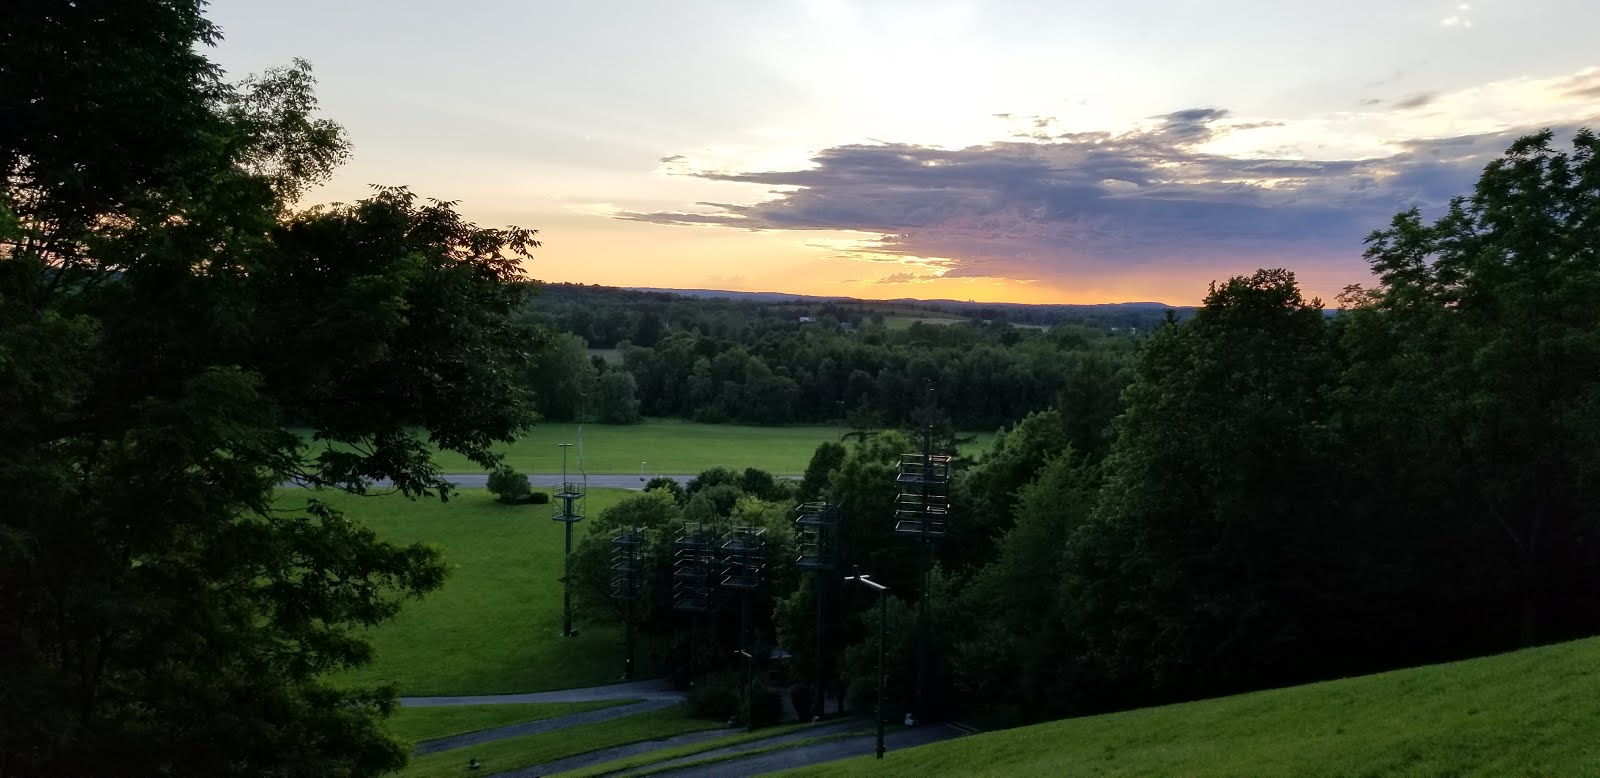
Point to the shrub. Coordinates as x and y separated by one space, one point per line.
538 498
509 485
716 696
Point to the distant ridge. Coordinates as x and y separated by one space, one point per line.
790 296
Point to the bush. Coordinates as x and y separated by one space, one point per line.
767 705
801 697
509 485
716 696
538 498
720 696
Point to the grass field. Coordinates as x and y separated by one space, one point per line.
669 446
638 761
414 725
1533 712
904 321
494 627
512 753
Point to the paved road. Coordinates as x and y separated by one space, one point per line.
540 727
817 753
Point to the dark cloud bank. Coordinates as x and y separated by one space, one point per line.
1096 202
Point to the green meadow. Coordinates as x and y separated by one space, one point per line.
495 625
668 446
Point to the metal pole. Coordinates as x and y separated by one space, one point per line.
749 660
883 680
883 618
822 698
633 591
927 570
566 578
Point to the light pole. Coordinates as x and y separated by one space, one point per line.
641 470
883 613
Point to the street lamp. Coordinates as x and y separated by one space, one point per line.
641 470
883 613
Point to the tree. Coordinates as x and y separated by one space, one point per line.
1474 362
1206 566
563 378
164 318
617 399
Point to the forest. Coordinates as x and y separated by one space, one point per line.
741 361
1264 495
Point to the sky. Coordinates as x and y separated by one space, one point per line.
1008 150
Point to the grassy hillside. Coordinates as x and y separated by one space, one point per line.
495 625
1533 712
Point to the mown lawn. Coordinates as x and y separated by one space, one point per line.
1533 712
668 446
415 725
512 753
495 625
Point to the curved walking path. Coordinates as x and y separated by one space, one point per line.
654 689
539 727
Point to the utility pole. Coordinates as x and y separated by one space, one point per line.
569 511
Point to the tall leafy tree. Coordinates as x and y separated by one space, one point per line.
1482 344
1204 563
165 317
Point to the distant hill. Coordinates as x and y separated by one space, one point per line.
1532 712
1129 313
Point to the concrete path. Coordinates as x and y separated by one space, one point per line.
539 727
616 752
654 689
817 753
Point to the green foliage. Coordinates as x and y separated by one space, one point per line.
163 314
1228 413
510 486
563 378
617 399
718 696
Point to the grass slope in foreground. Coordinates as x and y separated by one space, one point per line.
1532 712
495 625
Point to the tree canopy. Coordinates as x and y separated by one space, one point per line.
166 317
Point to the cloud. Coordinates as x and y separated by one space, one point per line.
1584 85
673 158
1417 100
1097 203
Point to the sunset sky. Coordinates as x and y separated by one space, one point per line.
1008 150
